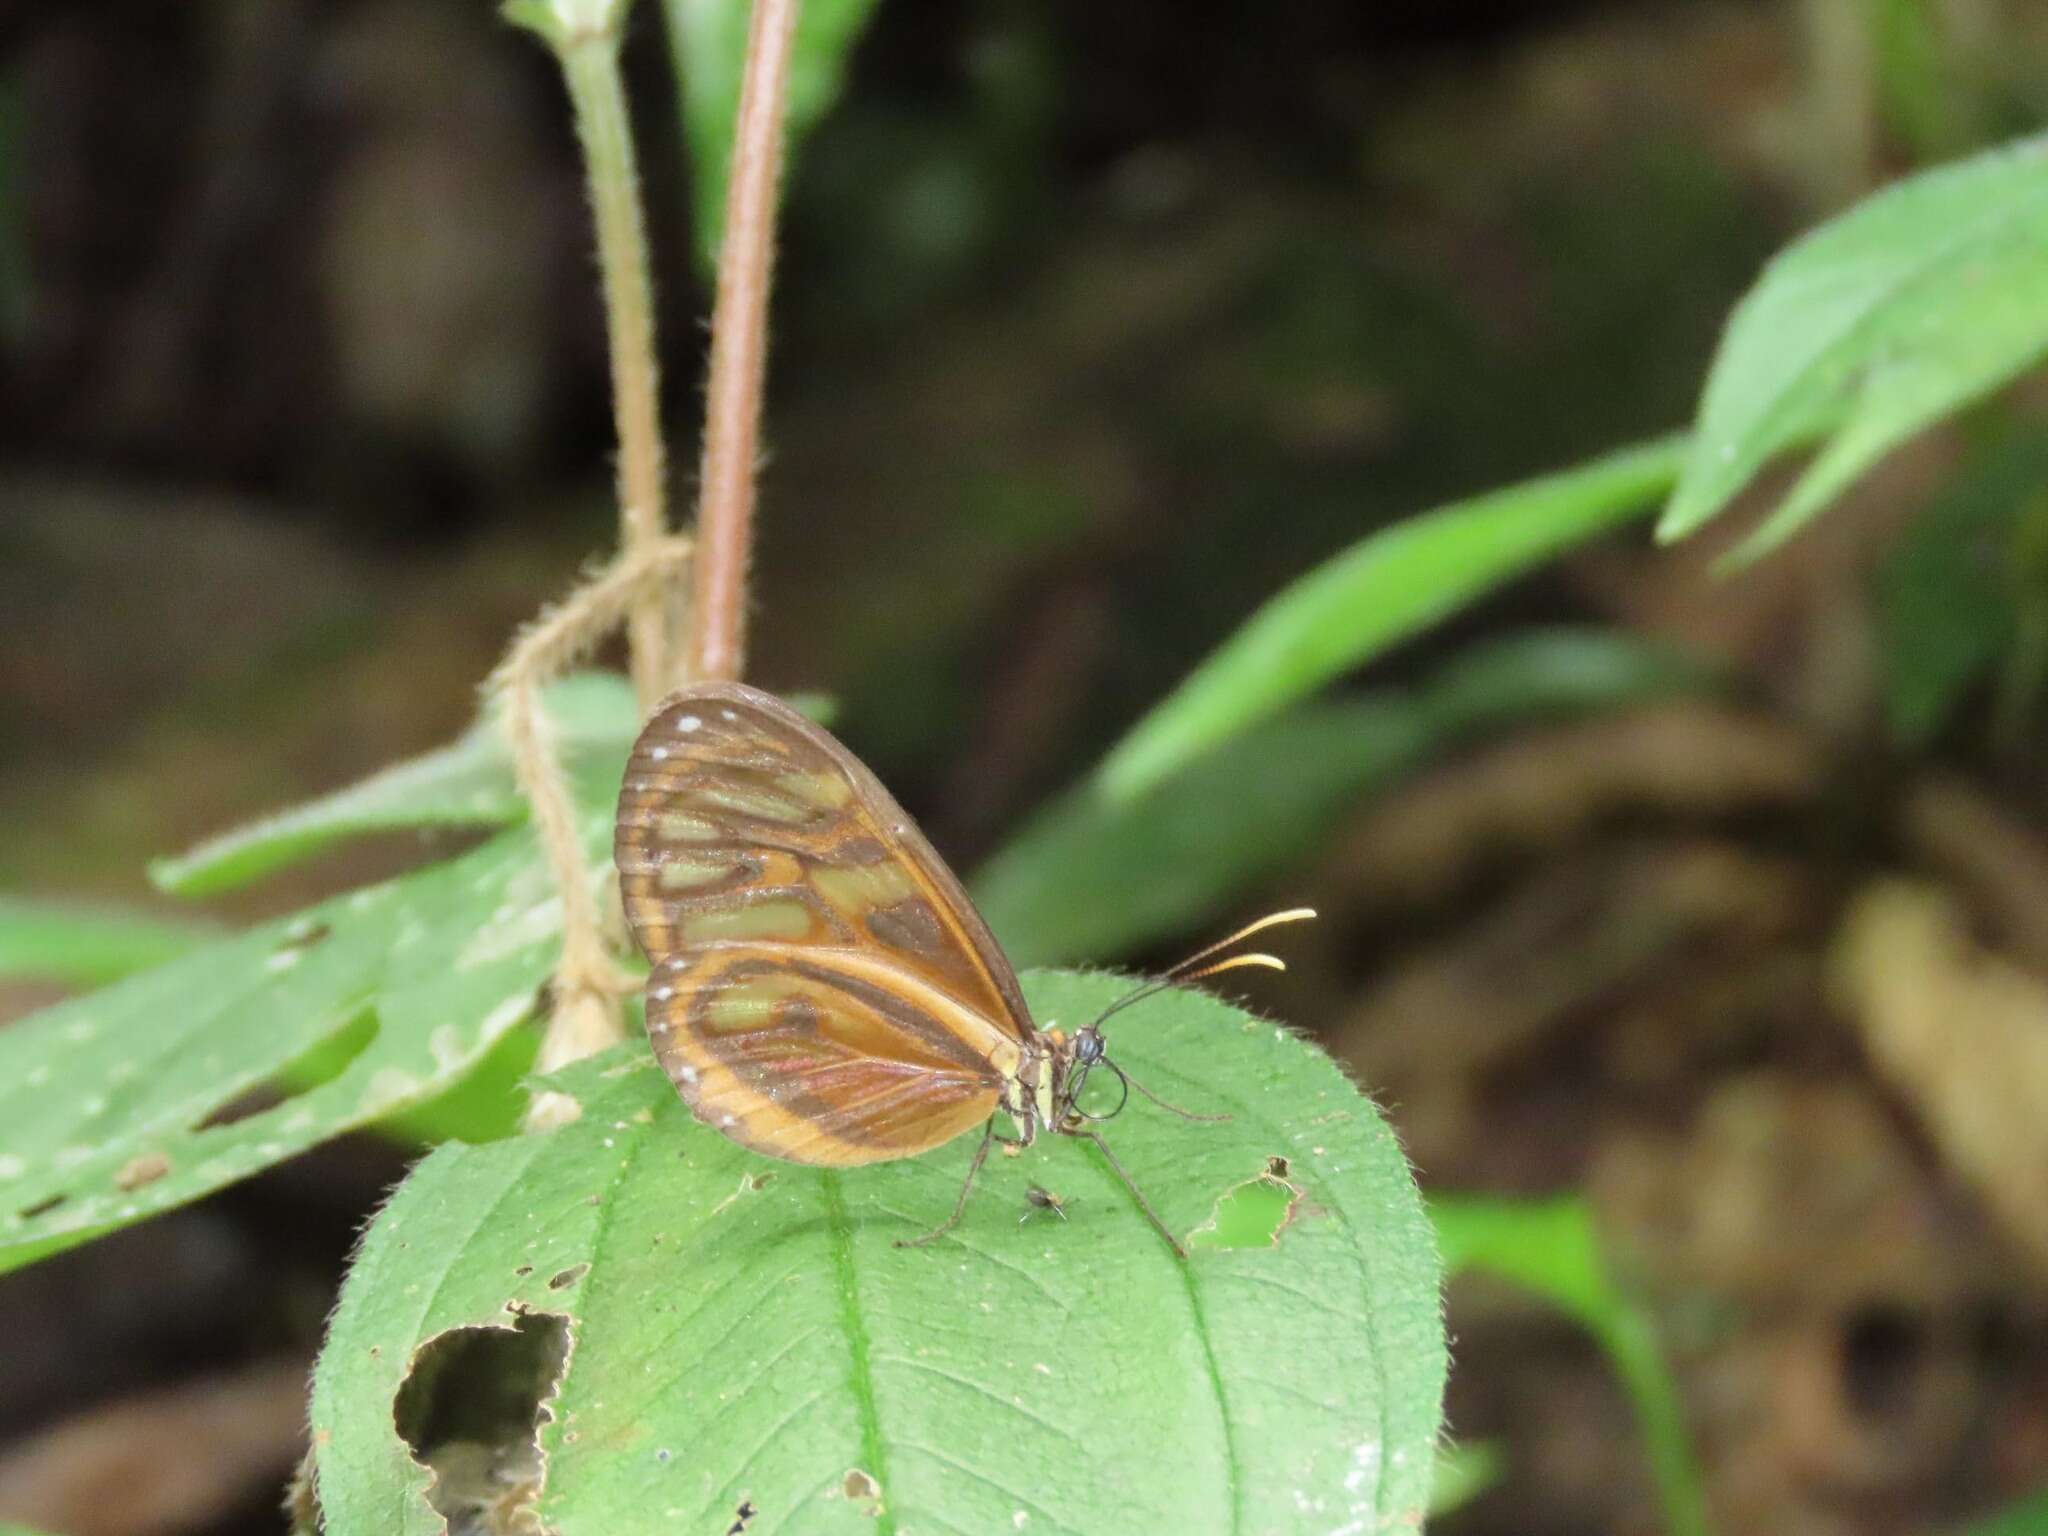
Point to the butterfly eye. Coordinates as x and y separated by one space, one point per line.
1088 1047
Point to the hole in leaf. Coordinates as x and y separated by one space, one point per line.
302 936
41 1207
1252 1214
861 1488
312 1068
144 1169
568 1277
471 1410
742 1518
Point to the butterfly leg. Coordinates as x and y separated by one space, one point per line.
1174 1109
966 1187
1136 1193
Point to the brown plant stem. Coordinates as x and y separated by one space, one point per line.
739 350
590 63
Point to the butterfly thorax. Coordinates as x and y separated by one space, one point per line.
1051 1066
1029 1092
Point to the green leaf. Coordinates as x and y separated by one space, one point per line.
708 46
1550 1247
467 784
126 1102
486 1103
1949 591
1924 103
1092 878
1382 590
1463 1472
562 22
2028 1517
86 946
740 1330
1917 301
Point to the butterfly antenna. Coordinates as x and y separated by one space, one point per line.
1260 925
1186 970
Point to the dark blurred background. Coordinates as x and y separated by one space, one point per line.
1096 324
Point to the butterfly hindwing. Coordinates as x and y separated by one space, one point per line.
829 1058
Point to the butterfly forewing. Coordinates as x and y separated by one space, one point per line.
822 990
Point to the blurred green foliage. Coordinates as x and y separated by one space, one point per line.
1382 590
1550 1247
1090 878
1915 303
86 946
2028 1517
1964 594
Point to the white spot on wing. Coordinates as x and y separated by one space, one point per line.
688 723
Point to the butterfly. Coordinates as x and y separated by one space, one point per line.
822 990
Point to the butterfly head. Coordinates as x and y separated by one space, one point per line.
1081 1054
1089 1047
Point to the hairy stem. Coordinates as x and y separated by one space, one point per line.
590 61
739 349
585 1016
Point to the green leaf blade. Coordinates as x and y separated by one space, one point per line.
87 946
1550 1247
1919 300
1954 587
592 720
1384 589
134 1099
749 1330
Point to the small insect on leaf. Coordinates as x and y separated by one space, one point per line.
1040 1199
